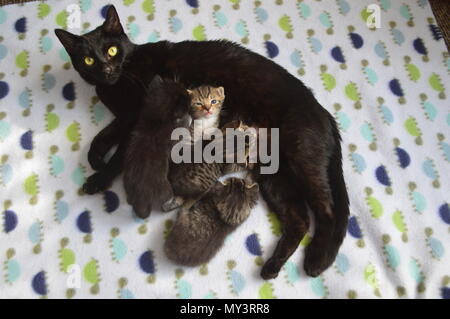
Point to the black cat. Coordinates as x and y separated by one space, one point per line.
259 92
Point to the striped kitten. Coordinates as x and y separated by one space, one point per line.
200 231
190 181
206 104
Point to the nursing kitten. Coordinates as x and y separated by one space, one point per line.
190 181
199 233
206 105
259 92
148 154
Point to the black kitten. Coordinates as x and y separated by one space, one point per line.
145 179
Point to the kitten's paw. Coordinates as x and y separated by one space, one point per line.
95 160
142 210
316 261
96 183
270 269
170 205
141 207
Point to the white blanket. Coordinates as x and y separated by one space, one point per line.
387 87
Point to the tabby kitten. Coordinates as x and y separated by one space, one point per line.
206 105
190 181
199 232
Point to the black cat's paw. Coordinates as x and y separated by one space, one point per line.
95 160
171 204
96 183
316 261
270 269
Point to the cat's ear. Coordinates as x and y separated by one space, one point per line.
190 92
221 91
67 39
112 23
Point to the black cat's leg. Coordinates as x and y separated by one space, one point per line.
320 200
317 257
103 179
292 213
102 143
294 229
315 160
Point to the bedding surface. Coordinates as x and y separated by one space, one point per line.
388 88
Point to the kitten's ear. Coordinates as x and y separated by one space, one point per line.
250 183
221 91
155 83
112 23
190 92
67 39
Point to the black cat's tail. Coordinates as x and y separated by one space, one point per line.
339 194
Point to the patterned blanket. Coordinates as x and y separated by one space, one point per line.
387 87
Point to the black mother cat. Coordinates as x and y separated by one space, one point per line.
259 92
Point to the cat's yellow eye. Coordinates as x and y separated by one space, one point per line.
112 51
88 60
